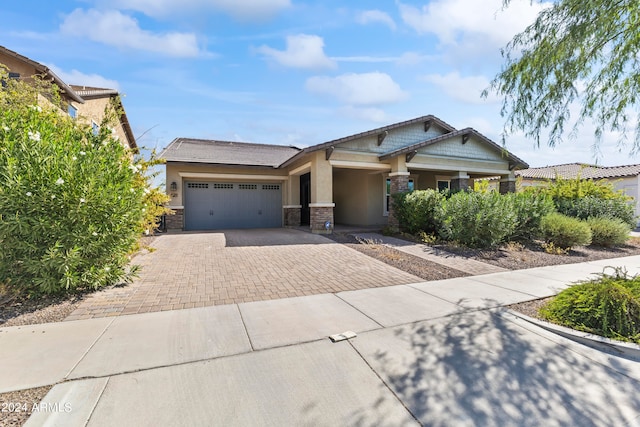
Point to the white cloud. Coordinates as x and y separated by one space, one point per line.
375 16
465 89
303 51
407 58
358 89
114 28
75 77
252 10
452 21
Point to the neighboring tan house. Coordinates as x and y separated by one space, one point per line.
624 178
221 184
96 102
87 104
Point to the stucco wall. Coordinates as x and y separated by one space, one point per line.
94 110
358 196
350 196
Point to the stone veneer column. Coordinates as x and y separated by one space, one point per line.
292 215
399 184
507 185
460 182
175 221
319 214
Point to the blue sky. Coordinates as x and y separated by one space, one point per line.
291 72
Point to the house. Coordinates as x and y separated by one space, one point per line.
97 101
89 105
625 178
223 184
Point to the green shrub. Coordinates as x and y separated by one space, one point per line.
419 210
608 231
586 198
478 219
72 204
565 232
592 206
577 188
529 208
609 306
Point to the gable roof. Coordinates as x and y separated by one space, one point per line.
422 119
88 92
514 160
227 152
42 69
585 171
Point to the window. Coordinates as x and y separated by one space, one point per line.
411 186
387 196
14 75
443 185
73 111
95 127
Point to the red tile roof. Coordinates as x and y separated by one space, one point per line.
585 171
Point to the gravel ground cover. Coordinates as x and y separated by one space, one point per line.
17 406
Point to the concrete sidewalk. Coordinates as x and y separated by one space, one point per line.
433 353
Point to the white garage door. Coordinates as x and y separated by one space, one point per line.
225 205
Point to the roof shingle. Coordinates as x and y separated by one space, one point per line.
227 152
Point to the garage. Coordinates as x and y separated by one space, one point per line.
227 205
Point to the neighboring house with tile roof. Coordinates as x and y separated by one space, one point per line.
350 180
88 104
625 177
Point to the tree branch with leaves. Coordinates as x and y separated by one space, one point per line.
577 53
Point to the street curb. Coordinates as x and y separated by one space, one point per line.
618 348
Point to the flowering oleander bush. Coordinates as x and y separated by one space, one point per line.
72 203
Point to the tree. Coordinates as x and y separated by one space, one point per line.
585 51
73 203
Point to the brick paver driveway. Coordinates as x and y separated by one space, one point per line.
201 269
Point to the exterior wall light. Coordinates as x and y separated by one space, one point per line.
174 186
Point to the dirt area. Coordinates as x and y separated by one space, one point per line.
17 406
530 308
517 257
417 266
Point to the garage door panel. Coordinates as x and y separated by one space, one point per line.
213 205
198 202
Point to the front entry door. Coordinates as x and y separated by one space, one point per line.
305 198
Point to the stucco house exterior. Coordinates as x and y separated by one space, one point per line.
223 184
86 104
625 178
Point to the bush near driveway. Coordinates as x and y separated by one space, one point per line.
609 307
72 204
